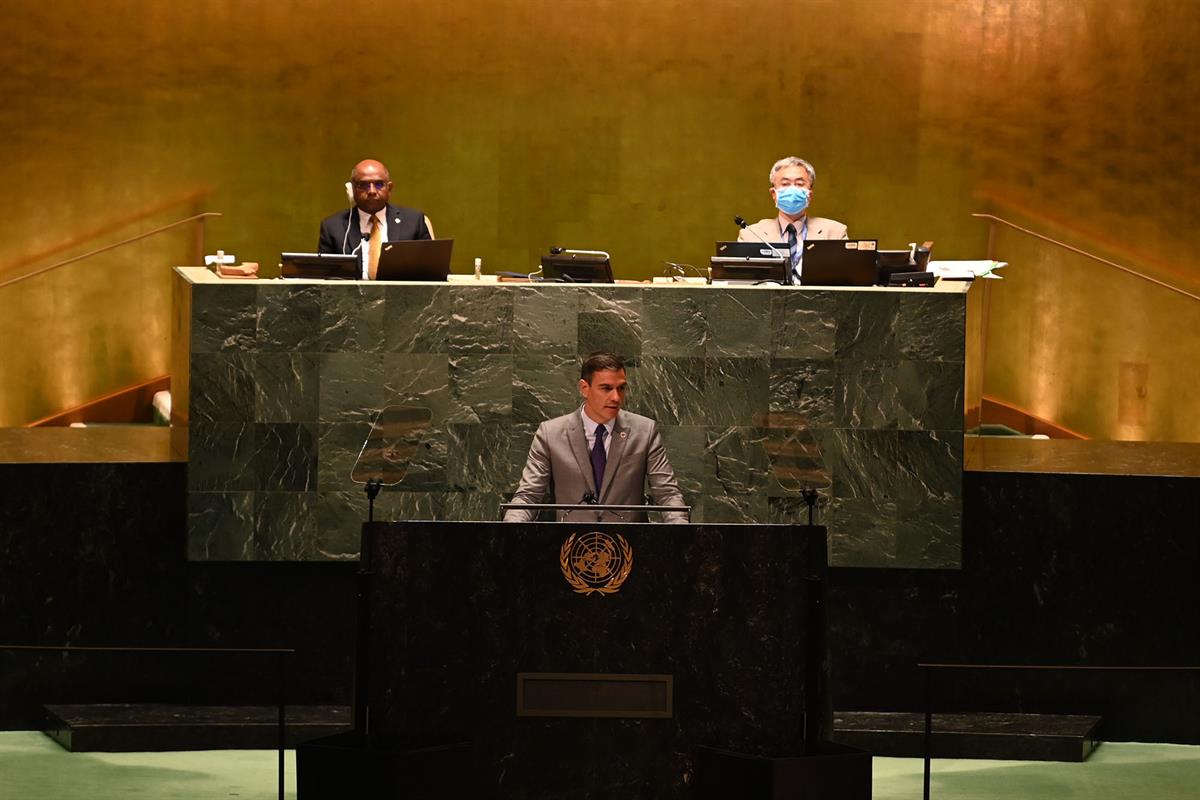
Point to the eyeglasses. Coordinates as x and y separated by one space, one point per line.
363 186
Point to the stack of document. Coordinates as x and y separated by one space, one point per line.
965 270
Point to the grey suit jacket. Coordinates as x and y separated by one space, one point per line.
559 454
818 228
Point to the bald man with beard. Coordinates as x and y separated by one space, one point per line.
371 186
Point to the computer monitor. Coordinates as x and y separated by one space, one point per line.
577 267
319 266
749 270
415 260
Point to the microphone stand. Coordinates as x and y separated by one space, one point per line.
788 279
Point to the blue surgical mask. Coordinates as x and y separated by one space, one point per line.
791 199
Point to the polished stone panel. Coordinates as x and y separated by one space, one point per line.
760 393
726 611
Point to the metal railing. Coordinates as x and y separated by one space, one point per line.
1099 259
197 218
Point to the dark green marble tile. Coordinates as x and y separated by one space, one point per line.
687 451
866 325
401 505
289 317
930 464
481 319
286 387
668 389
222 387
729 508
869 397
610 318
735 460
544 386
285 456
473 505
520 437
929 395
906 395
543 322
803 323
220 526
416 319
740 325
418 379
352 318
479 458
339 446
427 459
863 465
285 526
352 387
221 457
736 391
480 388
930 327
863 533
675 322
802 393
340 516
223 318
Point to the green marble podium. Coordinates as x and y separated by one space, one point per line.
760 392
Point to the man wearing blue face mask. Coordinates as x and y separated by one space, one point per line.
792 190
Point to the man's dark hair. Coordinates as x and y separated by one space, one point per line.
600 361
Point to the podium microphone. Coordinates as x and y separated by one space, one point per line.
589 499
787 258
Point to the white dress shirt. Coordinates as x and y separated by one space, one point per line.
589 431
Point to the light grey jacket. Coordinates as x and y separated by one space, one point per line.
636 455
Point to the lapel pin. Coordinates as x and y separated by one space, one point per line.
397 220
624 434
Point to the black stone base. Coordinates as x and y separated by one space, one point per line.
1012 737
830 772
127 728
339 767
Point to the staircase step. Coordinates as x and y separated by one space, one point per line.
1012 737
127 728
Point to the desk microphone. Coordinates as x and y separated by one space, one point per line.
787 258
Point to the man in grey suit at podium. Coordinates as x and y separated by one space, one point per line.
598 444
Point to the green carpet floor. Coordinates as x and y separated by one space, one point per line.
32 767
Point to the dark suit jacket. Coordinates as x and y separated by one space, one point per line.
559 455
403 224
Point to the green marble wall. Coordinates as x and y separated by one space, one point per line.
759 392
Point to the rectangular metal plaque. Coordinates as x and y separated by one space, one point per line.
583 694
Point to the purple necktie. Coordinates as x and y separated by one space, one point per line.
599 459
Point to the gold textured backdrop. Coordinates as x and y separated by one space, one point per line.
637 126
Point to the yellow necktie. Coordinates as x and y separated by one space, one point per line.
374 248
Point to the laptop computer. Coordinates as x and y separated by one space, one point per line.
416 260
839 262
751 249
319 266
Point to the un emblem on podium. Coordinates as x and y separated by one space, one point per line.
595 562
